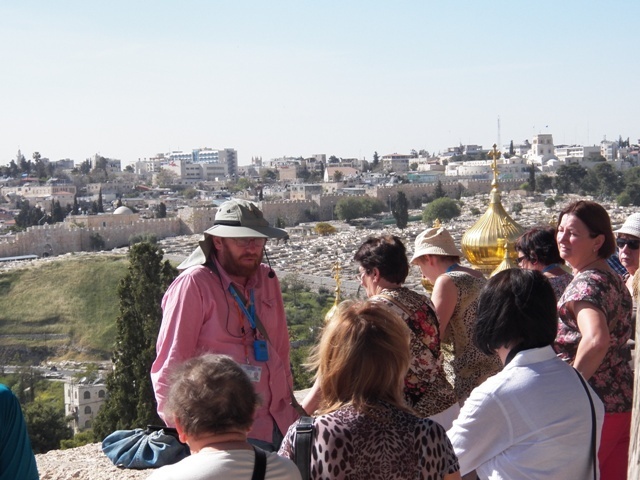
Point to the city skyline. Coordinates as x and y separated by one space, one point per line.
295 78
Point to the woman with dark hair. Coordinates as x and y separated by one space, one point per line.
364 429
212 404
383 268
595 324
537 250
533 419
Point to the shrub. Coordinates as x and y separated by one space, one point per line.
441 208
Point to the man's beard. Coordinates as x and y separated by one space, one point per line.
234 268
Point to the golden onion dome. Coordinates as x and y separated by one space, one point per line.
507 261
484 243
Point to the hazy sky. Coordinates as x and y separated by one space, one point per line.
129 79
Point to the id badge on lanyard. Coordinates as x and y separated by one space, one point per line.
260 351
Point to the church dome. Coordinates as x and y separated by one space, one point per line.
484 243
123 211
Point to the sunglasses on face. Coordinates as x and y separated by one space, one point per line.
632 244
521 259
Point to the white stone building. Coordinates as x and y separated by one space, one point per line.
82 402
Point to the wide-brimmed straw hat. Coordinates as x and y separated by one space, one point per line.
234 219
435 241
631 225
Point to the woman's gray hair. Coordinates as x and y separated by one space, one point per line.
211 394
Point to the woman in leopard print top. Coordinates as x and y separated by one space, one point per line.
364 429
455 297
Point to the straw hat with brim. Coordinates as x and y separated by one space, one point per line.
234 219
631 225
435 241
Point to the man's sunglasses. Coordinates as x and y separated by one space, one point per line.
632 244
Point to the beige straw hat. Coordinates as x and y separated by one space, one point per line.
435 241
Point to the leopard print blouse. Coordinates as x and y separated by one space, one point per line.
385 443
465 365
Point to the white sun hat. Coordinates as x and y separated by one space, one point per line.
631 225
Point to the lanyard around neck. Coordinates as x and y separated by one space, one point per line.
249 313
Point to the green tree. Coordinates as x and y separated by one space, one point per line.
603 181
338 176
46 424
569 178
76 207
439 191
401 210
190 193
269 176
532 179
100 204
549 202
85 167
57 212
441 208
516 207
131 402
413 167
29 216
376 161
96 242
624 199
512 151
544 183
356 207
161 211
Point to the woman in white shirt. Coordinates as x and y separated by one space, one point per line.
532 420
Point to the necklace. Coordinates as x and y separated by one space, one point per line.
588 265
452 267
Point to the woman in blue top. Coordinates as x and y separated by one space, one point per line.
16 456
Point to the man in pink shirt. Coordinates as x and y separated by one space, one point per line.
212 308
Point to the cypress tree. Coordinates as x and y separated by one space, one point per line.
401 211
131 402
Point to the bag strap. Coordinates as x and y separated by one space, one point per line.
263 331
593 424
260 464
302 452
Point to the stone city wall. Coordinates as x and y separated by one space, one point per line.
61 238
291 212
196 219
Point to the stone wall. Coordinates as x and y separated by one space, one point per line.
61 238
291 212
196 219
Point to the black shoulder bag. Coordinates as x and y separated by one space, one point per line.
593 425
302 451
260 464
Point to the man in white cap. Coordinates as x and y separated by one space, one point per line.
227 302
